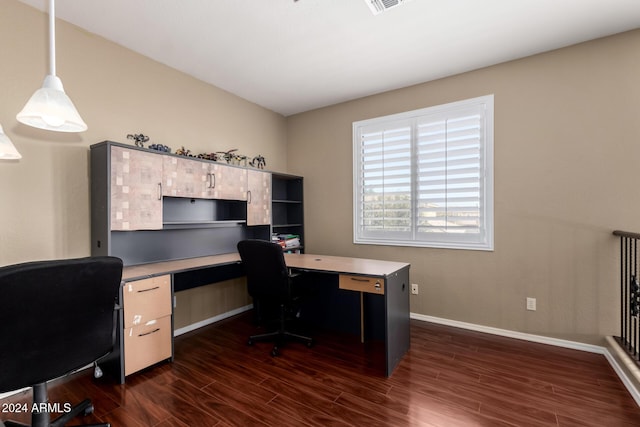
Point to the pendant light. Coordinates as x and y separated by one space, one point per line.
7 149
50 108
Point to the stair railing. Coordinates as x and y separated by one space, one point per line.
629 338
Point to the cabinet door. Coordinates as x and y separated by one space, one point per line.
229 182
258 198
136 190
186 178
147 344
145 300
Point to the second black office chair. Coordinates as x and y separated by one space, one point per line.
58 316
269 282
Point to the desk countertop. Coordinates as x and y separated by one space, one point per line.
348 265
134 272
328 263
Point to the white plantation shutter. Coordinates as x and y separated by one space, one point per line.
386 181
424 178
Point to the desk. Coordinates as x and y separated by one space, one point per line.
353 274
392 278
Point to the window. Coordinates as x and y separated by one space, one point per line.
425 177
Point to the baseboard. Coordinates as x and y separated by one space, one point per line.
211 320
624 367
628 382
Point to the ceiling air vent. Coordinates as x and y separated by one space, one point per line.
379 6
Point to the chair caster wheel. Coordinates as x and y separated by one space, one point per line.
275 352
250 342
88 410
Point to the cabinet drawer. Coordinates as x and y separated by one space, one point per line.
374 285
147 344
146 300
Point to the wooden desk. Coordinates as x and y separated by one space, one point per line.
384 279
390 280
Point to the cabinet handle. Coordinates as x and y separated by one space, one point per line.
159 191
359 280
249 197
149 333
147 290
212 180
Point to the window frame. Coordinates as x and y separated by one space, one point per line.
484 240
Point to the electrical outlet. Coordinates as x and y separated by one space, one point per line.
414 288
531 304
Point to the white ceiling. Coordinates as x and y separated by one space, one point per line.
294 56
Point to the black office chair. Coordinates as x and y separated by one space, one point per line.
57 317
269 283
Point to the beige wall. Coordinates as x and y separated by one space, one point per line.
567 144
44 205
566 150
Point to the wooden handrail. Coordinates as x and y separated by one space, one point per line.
626 234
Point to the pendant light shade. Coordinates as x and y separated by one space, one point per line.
7 149
50 108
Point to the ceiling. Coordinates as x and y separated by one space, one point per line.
293 56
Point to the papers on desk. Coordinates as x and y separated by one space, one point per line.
287 241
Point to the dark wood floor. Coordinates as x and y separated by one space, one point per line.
450 377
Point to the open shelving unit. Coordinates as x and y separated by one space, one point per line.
288 206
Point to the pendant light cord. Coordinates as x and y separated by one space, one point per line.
52 38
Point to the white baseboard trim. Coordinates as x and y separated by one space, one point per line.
635 393
623 374
511 334
211 320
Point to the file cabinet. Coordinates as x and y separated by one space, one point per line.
147 323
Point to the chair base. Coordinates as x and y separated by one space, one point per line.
280 336
43 419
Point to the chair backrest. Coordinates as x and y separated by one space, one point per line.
264 266
55 316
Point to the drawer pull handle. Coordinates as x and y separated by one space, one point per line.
359 280
149 333
150 289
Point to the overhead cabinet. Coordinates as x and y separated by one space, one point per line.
229 183
149 206
136 190
185 177
258 198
